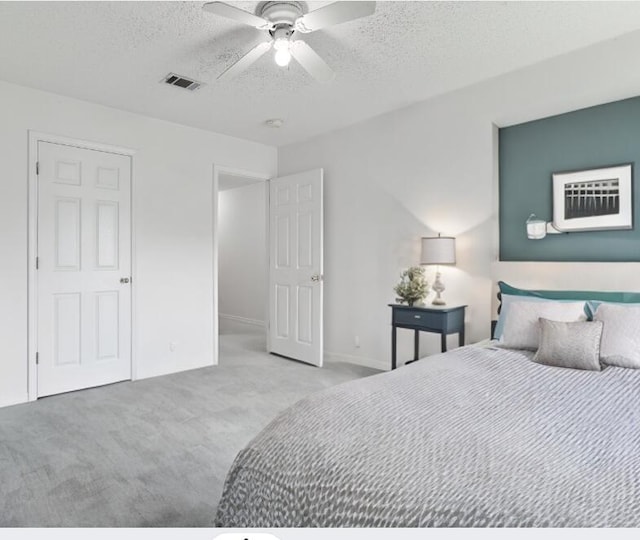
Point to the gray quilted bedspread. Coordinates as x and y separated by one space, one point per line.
474 437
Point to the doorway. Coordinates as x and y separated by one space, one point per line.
274 284
242 262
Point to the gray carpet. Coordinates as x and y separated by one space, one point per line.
146 453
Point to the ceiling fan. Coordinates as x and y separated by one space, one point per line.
283 21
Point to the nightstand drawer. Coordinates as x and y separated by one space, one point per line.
417 317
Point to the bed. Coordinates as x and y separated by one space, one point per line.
479 436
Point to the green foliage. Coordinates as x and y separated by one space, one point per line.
413 286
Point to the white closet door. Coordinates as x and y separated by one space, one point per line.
295 273
84 268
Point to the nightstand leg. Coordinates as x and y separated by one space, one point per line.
443 342
461 338
416 344
393 347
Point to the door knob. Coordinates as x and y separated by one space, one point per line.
124 280
316 277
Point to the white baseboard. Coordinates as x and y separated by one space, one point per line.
14 400
358 360
198 364
243 320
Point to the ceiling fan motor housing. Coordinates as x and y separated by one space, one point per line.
281 14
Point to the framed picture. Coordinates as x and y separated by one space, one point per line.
593 200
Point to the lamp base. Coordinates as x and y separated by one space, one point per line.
438 286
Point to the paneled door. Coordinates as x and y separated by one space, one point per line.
84 268
295 266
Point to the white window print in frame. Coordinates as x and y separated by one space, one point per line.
593 200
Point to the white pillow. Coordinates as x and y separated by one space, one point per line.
620 344
522 329
508 299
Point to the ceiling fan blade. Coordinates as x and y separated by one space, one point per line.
230 12
309 60
245 61
335 13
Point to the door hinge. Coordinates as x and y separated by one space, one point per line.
37 263
37 358
37 167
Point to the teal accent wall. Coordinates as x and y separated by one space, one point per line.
528 155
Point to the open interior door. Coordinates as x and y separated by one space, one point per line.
295 266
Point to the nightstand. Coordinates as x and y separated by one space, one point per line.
440 320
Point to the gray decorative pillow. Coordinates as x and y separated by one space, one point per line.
569 344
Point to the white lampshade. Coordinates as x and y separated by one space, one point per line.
438 250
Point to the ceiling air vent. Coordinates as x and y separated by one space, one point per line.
182 82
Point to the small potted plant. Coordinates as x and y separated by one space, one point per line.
413 286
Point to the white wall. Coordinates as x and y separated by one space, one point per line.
432 168
173 217
242 254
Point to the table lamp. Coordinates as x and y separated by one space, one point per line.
438 250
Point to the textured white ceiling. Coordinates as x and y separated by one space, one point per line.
114 53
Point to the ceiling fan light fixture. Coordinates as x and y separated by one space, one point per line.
282 47
281 44
282 57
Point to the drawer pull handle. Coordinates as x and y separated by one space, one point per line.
416 316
